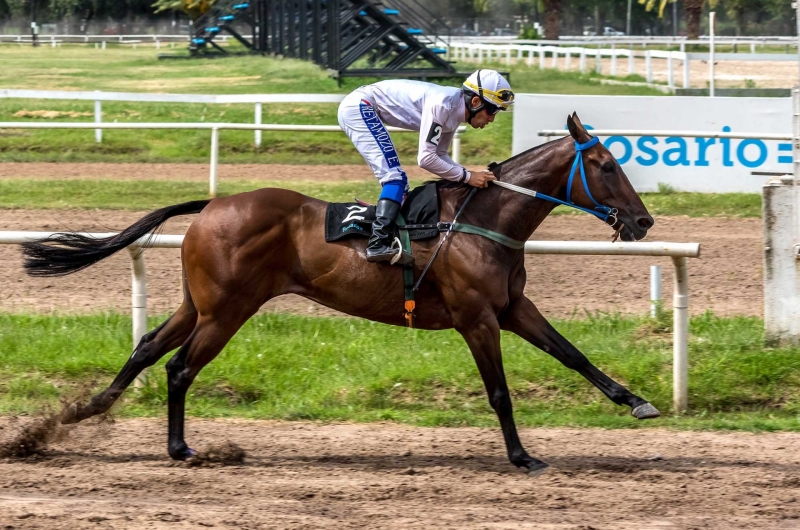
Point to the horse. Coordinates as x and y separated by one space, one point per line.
246 249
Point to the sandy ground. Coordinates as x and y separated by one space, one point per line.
192 172
305 475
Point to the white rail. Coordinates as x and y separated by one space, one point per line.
98 97
215 128
527 50
686 134
679 252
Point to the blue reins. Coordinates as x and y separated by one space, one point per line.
599 211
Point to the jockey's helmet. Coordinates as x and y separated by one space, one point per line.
492 88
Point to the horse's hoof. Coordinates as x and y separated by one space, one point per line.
645 412
534 469
183 453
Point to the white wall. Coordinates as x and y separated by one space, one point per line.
723 165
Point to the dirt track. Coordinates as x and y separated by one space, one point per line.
303 475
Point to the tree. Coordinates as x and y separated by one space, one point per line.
552 18
194 8
693 8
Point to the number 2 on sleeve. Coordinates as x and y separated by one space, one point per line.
435 134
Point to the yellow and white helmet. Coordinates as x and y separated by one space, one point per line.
493 89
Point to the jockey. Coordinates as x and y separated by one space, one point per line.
434 111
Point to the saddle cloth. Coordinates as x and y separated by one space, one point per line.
420 212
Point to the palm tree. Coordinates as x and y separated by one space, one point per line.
694 9
552 13
193 8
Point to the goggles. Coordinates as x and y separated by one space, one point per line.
493 101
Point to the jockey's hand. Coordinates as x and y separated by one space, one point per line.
481 179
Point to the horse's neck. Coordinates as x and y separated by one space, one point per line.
514 214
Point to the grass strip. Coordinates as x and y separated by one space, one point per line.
84 68
150 194
292 367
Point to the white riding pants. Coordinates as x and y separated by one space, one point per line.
358 119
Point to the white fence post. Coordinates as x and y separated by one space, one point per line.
212 177
613 61
508 55
258 122
583 60
567 59
680 336
670 71
529 60
630 60
711 54
598 62
686 66
554 61
541 57
98 118
480 55
655 290
456 146
648 65
781 274
138 302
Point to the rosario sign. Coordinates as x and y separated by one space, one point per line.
688 164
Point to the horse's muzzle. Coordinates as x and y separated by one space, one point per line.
634 228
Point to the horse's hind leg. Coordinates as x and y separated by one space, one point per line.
206 341
154 345
526 321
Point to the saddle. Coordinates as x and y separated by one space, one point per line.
418 219
419 216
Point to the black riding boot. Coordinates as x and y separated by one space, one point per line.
380 246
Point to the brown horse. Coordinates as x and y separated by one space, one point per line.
246 249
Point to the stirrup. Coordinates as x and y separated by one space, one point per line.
406 257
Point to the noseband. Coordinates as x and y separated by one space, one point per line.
602 212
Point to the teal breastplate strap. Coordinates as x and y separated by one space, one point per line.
489 234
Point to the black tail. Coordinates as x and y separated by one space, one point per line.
74 252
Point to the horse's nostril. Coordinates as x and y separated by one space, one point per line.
645 222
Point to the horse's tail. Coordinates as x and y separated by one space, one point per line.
74 252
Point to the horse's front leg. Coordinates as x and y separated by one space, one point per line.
482 335
526 321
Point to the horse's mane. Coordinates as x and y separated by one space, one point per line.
494 167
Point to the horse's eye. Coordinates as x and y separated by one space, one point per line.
608 167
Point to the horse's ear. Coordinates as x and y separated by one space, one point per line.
576 129
573 129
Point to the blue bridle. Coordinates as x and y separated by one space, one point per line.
603 212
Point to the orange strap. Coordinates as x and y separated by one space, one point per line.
410 305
